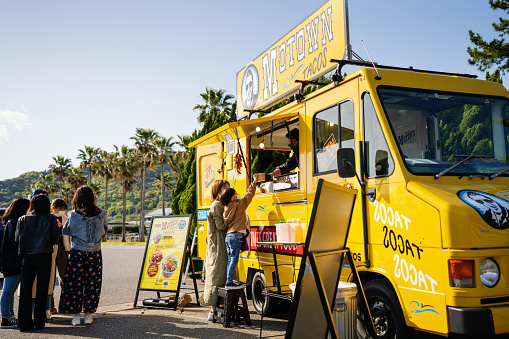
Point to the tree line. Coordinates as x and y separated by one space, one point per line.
128 166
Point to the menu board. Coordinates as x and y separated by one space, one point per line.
165 253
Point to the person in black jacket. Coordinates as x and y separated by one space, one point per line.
11 265
36 233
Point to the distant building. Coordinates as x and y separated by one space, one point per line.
156 213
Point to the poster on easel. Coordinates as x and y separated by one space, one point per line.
165 253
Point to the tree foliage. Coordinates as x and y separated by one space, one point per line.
184 193
466 128
495 53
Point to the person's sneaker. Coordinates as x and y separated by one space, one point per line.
76 319
9 323
233 284
211 316
88 318
48 314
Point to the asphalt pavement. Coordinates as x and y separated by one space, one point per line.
117 318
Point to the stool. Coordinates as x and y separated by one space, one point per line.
232 310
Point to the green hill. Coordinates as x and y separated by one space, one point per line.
17 187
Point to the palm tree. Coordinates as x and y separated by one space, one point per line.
76 178
177 161
125 168
60 169
213 99
144 143
87 158
96 189
168 180
162 154
68 194
183 141
47 183
105 164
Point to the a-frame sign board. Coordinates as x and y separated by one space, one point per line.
322 260
166 251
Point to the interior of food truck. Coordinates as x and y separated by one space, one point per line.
269 148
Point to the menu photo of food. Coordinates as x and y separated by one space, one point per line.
169 265
154 260
156 257
157 237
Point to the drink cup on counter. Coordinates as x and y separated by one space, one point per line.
283 232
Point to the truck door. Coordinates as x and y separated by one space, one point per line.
334 120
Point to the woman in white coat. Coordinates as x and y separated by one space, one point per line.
216 248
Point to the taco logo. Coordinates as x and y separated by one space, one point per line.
494 210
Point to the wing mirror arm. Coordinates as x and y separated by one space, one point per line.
345 158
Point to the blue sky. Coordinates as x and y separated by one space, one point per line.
76 73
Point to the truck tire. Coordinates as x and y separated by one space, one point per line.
386 312
263 304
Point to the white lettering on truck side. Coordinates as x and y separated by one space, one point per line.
409 272
388 215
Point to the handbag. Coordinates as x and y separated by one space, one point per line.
244 245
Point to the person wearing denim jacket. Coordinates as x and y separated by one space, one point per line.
87 226
86 233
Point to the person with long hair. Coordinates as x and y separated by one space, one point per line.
87 226
36 233
216 248
11 262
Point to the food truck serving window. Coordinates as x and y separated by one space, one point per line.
328 137
269 148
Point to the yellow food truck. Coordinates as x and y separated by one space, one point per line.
430 227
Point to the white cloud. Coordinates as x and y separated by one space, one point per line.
18 119
4 134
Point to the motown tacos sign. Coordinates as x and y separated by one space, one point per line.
304 53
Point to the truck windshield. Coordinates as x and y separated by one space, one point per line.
435 130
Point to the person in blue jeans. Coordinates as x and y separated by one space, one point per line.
235 219
11 263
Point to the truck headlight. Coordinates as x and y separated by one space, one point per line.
489 271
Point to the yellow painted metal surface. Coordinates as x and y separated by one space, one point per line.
416 223
304 53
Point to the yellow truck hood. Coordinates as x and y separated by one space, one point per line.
473 216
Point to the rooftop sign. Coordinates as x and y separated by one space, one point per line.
304 53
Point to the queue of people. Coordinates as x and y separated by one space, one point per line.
39 240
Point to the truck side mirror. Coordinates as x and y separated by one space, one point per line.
345 158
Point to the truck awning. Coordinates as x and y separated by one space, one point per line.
244 128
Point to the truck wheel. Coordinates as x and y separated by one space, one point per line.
263 304
386 312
